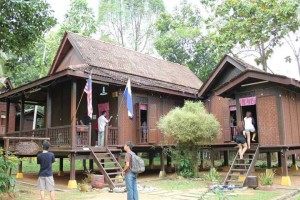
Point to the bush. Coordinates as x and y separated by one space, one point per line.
266 178
190 126
7 162
213 175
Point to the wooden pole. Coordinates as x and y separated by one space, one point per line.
72 118
284 163
226 158
22 112
268 160
49 111
72 167
7 116
73 112
279 158
61 164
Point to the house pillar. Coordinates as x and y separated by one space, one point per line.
269 163
169 163
226 166
162 172
279 168
48 111
73 113
7 116
20 172
72 182
91 164
61 167
285 179
22 113
294 166
151 157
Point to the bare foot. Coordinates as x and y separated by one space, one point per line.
253 140
241 158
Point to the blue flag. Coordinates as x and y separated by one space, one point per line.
128 97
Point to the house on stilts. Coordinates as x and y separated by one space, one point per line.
234 88
157 87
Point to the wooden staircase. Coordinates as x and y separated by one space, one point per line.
108 166
241 167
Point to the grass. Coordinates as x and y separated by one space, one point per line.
178 184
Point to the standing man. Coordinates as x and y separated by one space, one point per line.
45 180
130 177
102 122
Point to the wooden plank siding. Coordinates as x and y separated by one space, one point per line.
268 128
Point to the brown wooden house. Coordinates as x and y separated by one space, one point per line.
157 86
236 87
5 85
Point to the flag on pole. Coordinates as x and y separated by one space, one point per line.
128 97
88 91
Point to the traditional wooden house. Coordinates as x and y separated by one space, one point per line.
157 86
5 85
236 87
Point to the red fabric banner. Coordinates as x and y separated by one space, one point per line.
248 101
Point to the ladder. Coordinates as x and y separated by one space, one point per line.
109 167
241 167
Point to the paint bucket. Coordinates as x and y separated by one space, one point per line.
252 182
97 181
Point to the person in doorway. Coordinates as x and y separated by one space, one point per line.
130 177
144 131
45 180
102 122
241 140
249 127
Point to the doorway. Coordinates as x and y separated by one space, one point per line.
142 123
252 109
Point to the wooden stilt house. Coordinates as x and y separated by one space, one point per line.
236 87
157 86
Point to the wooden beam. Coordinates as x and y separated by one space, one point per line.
226 158
284 164
72 166
7 116
49 109
268 160
73 113
279 158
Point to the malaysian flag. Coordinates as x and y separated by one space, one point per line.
88 91
128 97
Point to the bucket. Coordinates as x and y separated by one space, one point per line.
252 182
97 181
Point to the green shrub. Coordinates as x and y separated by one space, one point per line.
7 162
184 167
190 126
266 178
212 175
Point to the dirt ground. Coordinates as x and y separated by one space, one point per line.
27 190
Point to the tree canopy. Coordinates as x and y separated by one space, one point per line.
129 23
22 23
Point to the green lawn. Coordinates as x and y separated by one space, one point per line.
178 184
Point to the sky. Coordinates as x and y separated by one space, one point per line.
276 63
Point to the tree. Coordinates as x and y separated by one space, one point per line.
183 38
22 23
260 24
293 43
129 23
190 126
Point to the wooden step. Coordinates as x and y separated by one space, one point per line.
113 168
108 162
243 164
239 170
114 173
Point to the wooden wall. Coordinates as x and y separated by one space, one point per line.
61 104
12 117
219 107
268 122
72 58
291 117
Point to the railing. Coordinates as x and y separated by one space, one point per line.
59 135
111 136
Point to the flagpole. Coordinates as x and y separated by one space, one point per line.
78 106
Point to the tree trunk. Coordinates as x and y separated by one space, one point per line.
263 57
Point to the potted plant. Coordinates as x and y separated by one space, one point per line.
266 181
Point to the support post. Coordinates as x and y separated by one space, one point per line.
20 173
48 111
226 167
269 162
90 134
61 167
73 113
151 157
294 166
22 113
162 172
278 170
285 179
84 164
72 182
7 116
91 164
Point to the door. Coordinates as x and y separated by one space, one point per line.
152 123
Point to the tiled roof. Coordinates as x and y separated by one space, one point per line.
120 63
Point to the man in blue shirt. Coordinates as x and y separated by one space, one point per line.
45 180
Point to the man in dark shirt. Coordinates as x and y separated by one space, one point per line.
45 180
130 177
